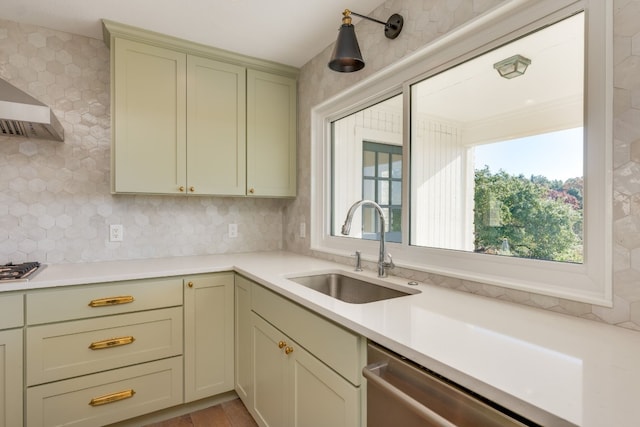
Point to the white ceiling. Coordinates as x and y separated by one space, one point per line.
489 108
474 91
286 31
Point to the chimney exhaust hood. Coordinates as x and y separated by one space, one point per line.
23 115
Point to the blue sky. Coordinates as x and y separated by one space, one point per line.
556 155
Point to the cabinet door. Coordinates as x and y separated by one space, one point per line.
243 340
208 350
149 120
321 397
270 375
216 123
293 388
271 135
11 378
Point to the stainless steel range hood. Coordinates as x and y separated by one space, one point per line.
22 115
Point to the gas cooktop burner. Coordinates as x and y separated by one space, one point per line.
18 272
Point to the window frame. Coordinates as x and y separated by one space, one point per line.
590 282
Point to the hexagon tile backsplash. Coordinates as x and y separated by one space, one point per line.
55 202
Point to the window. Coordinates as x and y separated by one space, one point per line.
508 205
470 208
382 183
367 164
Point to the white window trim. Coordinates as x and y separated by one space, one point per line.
590 282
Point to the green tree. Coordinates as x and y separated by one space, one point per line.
520 217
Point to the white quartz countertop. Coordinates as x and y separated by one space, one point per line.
532 361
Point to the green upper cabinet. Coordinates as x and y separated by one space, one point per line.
192 119
271 132
149 132
216 131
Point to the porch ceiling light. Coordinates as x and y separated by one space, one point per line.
512 67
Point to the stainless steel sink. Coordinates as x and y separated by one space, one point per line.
349 289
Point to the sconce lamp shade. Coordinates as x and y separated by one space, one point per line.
346 56
513 66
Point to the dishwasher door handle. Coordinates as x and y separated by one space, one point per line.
372 374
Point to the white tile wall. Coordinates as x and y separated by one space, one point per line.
55 204
426 20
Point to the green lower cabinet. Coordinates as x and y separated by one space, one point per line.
270 372
320 396
293 388
11 378
208 335
243 354
295 368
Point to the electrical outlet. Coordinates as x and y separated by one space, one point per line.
116 233
233 231
303 230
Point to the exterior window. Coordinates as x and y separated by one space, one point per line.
496 163
367 164
382 183
505 181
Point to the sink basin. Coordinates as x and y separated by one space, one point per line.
349 289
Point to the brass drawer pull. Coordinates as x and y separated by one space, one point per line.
288 350
111 301
281 344
111 342
113 397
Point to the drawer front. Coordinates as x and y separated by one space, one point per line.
11 311
64 350
334 345
78 302
106 397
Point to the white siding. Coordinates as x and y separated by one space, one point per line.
441 179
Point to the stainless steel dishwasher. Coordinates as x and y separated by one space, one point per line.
400 393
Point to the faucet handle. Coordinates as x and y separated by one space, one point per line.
358 261
390 265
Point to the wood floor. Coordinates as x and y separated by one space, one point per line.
227 414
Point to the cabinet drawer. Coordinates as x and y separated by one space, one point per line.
11 311
126 393
77 302
334 345
69 349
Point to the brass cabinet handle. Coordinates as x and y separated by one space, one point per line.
181 188
113 397
288 350
190 284
192 189
282 344
111 342
101 302
252 190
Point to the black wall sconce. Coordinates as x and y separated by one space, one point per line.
346 56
